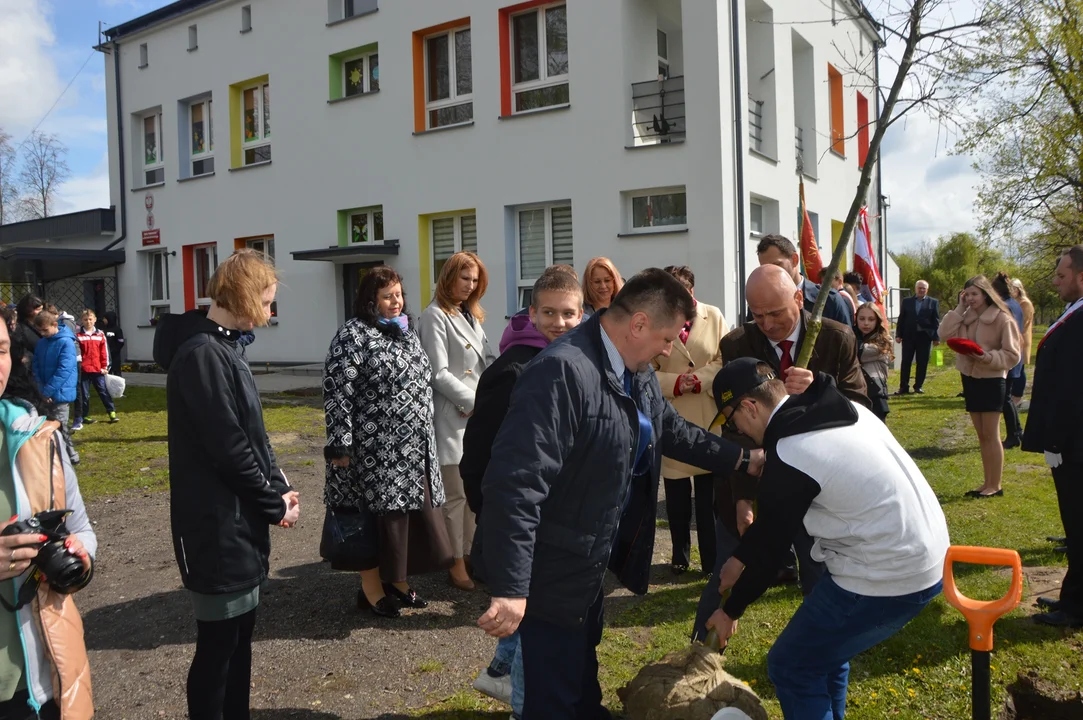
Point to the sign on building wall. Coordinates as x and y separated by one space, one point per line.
152 237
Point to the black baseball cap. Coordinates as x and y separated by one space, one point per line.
736 379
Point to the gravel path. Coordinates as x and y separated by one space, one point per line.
316 656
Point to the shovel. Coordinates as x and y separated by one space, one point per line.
981 615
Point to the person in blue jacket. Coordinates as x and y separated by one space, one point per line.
56 370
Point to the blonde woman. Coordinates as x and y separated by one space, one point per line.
1026 339
458 351
982 317
601 283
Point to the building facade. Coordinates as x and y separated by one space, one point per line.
653 132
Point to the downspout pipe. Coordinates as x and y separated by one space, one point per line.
122 172
739 150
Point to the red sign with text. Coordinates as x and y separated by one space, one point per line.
152 237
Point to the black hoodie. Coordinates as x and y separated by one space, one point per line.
225 485
785 493
114 338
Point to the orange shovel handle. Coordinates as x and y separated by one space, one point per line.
982 614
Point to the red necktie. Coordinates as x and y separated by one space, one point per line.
787 360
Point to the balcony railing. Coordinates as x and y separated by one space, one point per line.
755 123
658 111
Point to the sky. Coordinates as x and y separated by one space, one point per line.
44 43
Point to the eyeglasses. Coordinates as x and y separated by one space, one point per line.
721 419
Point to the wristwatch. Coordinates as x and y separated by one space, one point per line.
746 460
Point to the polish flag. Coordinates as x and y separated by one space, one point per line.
865 260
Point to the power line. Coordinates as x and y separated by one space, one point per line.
58 99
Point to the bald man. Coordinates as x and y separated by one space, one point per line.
775 336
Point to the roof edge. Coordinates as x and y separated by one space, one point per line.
156 17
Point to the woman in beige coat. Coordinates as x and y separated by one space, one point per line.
453 338
981 316
686 377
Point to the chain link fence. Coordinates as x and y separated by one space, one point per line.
71 294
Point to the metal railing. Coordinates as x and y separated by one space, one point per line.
658 111
755 123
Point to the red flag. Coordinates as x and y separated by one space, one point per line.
811 262
865 260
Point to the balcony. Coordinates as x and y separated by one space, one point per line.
755 124
658 111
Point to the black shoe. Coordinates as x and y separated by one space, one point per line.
1012 442
998 493
409 599
1046 603
1062 549
919 391
972 493
678 569
1059 618
961 395
384 607
900 391
1057 540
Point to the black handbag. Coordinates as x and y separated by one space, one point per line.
350 539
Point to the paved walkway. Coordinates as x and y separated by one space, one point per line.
276 382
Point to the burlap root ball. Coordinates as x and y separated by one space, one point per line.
689 684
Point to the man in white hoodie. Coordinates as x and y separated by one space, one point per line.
876 525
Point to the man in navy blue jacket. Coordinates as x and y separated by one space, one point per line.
916 329
572 487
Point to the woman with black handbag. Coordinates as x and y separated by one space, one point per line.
874 352
383 486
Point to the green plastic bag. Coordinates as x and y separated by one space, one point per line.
938 357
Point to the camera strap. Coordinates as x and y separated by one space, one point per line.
27 592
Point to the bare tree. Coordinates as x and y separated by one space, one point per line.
924 38
44 169
9 185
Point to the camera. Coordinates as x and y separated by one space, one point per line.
64 571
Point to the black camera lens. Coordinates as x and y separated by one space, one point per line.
63 570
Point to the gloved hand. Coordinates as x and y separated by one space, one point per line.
1053 460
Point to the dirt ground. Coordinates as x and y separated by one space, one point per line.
316 656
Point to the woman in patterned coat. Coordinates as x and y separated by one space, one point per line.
381 447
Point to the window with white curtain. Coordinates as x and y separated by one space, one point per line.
543 238
452 234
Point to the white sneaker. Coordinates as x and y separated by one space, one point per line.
498 688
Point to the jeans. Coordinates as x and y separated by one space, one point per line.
508 658
98 381
63 412
1012 425
1019 384
810 662
220 678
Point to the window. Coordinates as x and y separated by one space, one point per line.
543 238
660 210
153 171
257 124
449 78
367 225
246 18
205 262
201 126
540 58
265 245
457 233
834 82
360 74
663 55
143 62
193 38
862 130
755 217
158 266
353 8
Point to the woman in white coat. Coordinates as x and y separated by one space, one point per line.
459 352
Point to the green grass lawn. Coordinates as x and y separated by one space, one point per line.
923 672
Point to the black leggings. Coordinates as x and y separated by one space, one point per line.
221 673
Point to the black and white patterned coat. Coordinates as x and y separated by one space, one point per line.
378 409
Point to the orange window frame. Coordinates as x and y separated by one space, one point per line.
419 66
838 135
862 130
505 50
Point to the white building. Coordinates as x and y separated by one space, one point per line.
654 132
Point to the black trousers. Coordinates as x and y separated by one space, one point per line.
17 709
560 668
221 674
1011 412
1068 479
679 511
920 347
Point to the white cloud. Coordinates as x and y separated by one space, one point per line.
29 83
83 192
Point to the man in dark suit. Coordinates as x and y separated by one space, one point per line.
917 331
1055 427
776 336
777 250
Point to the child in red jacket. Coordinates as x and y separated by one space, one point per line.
95 366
